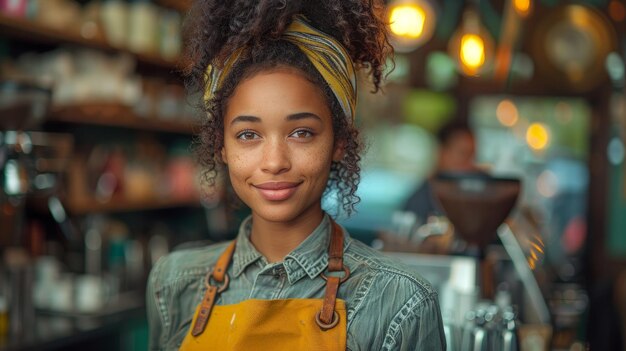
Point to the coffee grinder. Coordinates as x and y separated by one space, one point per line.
477 205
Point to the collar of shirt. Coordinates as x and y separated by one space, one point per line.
309 258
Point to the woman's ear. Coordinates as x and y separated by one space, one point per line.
223 153
339 151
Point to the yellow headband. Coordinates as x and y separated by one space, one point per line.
326 54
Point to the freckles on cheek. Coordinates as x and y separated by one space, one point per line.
243 165
238 163
317 161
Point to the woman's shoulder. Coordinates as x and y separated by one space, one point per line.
368 262
185 263
404 303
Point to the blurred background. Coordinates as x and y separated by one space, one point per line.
494 168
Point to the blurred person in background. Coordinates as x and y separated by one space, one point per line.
456 153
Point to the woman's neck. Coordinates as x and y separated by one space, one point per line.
275 240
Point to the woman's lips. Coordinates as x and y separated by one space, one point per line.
277 191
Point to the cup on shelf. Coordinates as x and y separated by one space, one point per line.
61 294
90 293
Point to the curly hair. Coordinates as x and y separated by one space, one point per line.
214 29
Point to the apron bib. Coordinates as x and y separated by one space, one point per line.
284 324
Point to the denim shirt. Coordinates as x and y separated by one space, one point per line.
388 306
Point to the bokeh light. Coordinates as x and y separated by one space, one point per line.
407 20
615 151
522 7
537 136
472 52
507 113
411 23
547 184
615 67
472 45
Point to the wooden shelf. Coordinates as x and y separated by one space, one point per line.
178 5
115 115
27 30
119 204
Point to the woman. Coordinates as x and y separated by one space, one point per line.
280 92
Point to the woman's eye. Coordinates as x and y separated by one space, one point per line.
247 136
302 134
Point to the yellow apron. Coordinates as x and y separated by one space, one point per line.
287 324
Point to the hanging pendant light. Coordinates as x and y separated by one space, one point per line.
471 45
522 7
411 23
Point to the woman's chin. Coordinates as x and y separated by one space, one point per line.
284 213
277 214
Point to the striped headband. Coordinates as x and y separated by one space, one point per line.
326 54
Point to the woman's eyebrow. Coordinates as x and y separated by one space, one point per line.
302 115
245 119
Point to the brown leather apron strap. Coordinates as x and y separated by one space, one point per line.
335 249
219 275
327 318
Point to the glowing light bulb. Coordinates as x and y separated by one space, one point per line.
471 45
522 7
411 23
472 51
407 20
537 136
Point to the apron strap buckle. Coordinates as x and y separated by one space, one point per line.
220 288
346 274
327 326
219 275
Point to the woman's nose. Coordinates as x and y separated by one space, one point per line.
276 158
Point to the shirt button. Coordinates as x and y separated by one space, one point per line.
278 272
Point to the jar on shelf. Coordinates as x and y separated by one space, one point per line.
170 34
143 27
114 17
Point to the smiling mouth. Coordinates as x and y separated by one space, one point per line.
277 191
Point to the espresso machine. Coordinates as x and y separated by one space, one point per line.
31 164
23 106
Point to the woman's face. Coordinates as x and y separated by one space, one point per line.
278 144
